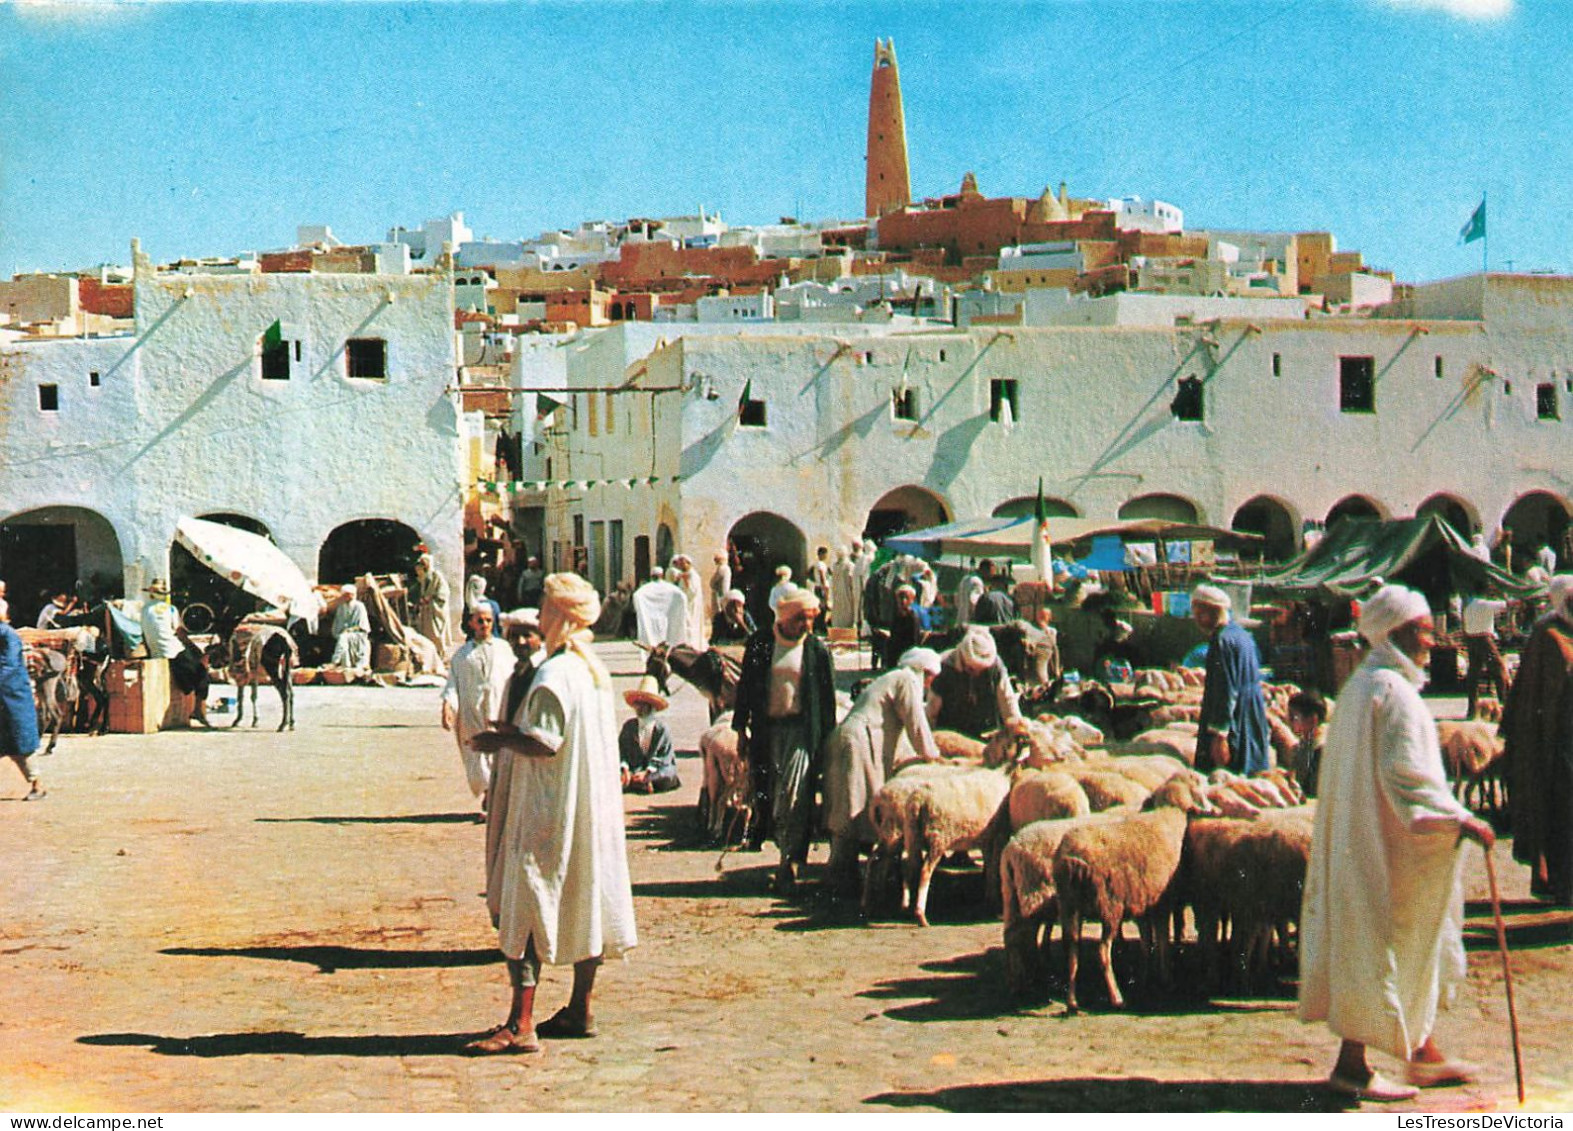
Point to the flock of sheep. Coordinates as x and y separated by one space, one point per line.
1074 828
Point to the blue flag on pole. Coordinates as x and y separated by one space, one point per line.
1476 228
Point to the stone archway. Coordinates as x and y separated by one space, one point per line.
1274 521
905 508
1353 506
1452 510
67 548
1025 506
1169 508
1536 519
761 541
369 545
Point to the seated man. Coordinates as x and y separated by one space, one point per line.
644 745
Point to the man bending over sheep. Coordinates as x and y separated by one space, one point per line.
1381 942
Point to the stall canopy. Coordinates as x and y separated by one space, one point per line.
1424 553
253 563
1013 537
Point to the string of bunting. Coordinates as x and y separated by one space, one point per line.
500 487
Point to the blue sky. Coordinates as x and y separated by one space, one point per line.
214 127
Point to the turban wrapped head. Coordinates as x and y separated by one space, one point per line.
733 596
1389 608
1211 595
797 599
976 648
920 659
784 572
578 606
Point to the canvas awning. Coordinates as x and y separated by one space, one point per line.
1013 537
253 563
1424 553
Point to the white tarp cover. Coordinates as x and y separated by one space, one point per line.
253 563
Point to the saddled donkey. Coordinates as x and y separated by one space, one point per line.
55 690
258 654
712 671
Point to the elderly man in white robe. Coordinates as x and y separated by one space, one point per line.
557 870
686 578
351 634
660 612
1381 924
475 694
887 727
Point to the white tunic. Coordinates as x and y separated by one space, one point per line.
843 594
1382 917
886 727
695 622
661 614
561 870
477 689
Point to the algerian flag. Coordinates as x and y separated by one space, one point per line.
748 395
1476 228
1042 555
273 336
545 406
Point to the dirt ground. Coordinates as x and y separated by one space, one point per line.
246 921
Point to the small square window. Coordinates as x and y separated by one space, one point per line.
275 361
49 398
366 358
1507 388
1188 400
1546 402
904 404
942 355
93 379
868 357
751 414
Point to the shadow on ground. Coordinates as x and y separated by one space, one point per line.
1094 1094
394 819
287 1044
329 959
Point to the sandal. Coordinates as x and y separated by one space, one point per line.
505 1038
564 1026
1375 1088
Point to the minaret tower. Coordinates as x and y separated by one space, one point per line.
889 186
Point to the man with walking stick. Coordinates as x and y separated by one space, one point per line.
1382 919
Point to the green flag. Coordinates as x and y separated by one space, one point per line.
1476 228
273 336
748 395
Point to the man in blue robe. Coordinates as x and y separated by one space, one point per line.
1233 730
18 718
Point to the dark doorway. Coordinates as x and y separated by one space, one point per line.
370 545
35 559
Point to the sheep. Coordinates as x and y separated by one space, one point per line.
1030 743
1249 875
888 812
1148 770
1173 739
1026 885
1035 795
1472 753
1083 732
1124 869
938 813
1106 788
954 744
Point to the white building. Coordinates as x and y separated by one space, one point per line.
790 440
1132 213
315 405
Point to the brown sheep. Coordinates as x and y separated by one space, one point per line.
1472 752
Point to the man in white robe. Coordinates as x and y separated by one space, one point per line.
843 592
886 727
557 885
474 695
1382 917
351 634
686 578
720 584
660 612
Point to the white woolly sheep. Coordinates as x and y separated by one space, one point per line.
1124 869
1472 752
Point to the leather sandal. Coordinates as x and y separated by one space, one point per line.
562 1025
503 1039
1375 1088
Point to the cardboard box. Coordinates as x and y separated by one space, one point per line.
138 695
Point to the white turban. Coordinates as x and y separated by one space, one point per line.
784 572
579 606
1388 608
794 599
347 590
1561 593
976 648
1211 595
474 591
920 659
733 595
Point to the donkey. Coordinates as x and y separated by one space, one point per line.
55 690
712 672
263 653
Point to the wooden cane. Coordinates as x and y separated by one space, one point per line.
1507 974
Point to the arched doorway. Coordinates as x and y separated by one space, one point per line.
762 541
905 508
1025 506
368 545
1354 506
207 601
1453 511
58 548
1273 520
1169 508
665 545
1535 520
